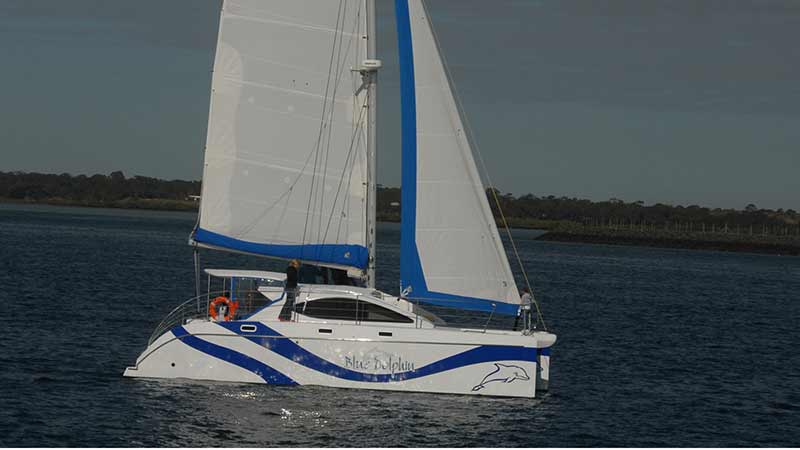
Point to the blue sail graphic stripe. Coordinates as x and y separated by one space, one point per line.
294 352
264 371
410 268
343 254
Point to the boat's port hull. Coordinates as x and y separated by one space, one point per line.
348 357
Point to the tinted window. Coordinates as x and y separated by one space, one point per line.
368 312
329 308
345 309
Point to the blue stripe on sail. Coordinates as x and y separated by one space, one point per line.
264 371
461 302
411 275
410 268
294 352
342 254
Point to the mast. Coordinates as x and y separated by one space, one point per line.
372 190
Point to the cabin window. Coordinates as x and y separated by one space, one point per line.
369 312
329 308
349 309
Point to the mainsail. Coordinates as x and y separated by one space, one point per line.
285 171
451 252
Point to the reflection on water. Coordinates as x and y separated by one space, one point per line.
656 348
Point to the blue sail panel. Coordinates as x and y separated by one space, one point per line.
409 258
339 254
415 288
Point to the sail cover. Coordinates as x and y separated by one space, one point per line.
451 252
285 160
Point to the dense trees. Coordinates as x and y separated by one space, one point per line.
527 210
98 190
617 213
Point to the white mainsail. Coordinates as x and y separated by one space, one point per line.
451 252
285 171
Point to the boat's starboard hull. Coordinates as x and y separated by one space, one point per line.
313 354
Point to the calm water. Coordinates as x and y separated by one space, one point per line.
656 348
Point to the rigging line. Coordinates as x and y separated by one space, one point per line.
361 133
354 144
320 134
339 73
321 125
345 203
471 137
346 200
286 195
316 183
320 190
358 127
320 195
354 141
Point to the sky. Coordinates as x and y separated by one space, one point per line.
671 101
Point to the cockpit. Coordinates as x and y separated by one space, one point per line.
249 295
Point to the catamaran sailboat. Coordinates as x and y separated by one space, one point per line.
290 173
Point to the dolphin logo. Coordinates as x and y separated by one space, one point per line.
504 373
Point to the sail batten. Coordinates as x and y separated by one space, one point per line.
451 253
285 161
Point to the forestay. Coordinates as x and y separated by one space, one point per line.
285 161
451 252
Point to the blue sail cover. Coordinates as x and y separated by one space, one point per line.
451 253
341 255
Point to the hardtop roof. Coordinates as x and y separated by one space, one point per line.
229 273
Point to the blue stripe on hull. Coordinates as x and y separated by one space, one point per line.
268 374
294 352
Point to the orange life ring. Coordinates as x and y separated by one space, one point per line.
212 308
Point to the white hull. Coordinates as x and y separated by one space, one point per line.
454 361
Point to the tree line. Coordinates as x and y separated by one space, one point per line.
617 213
113 190
116 189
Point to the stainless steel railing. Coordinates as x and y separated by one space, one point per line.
198 308
194 308
440 314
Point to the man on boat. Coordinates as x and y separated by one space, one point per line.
290 290
524 311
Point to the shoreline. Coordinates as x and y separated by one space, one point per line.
554 231
713 243
151 204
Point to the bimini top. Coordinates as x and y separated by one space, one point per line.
231 273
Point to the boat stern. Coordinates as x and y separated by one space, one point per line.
545 342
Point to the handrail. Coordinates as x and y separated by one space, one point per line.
180 312
439 314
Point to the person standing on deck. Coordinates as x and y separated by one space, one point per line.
524 311
290 290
